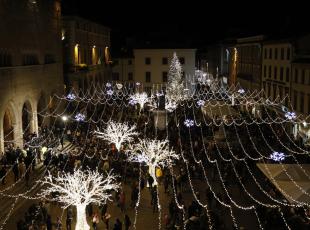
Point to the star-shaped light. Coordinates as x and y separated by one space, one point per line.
201 103
241 91
119 86
79 117
277 156
290 115
189 123
71 96
110 92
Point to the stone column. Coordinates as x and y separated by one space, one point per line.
34 121
18 131
1 138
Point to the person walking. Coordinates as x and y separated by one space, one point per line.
106 220
95 220
127 222
69 218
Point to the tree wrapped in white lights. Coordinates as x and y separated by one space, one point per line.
175 87
154 153
139 98
80 189
118 133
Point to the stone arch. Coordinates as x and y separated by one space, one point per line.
28 125
9 122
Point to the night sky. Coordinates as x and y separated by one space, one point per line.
192 23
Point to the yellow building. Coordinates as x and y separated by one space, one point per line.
276 69
86 52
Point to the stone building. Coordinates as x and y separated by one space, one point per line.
86 52
30 66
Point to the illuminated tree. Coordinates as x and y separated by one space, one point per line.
154 153
175 87
80 189
139 98
118 133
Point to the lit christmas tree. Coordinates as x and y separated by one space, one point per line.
118 133
175 87
80 189
154 153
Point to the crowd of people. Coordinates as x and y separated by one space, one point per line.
86 151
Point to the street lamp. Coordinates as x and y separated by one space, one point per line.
64 118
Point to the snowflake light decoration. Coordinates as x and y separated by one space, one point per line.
119 86
201 103
110 92
108 85
80 189
79 117
71 96
118 133
133 101
277 156
241 91
189 123
290 115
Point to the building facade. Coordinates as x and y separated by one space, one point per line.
276 69
30 66
152 66
123 69
86 52
247 62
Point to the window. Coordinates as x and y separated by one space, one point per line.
276 53
182 60
275 71
147 76
296 75
130 76
49 58
287 74
303 76
270 53
165 61
282 53
165 77
301 102
5 59
30 59
147 61
129 62
269 71
265 71
115 76
265 53
288 54
281 74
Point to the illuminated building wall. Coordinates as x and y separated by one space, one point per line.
30 65
86 52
